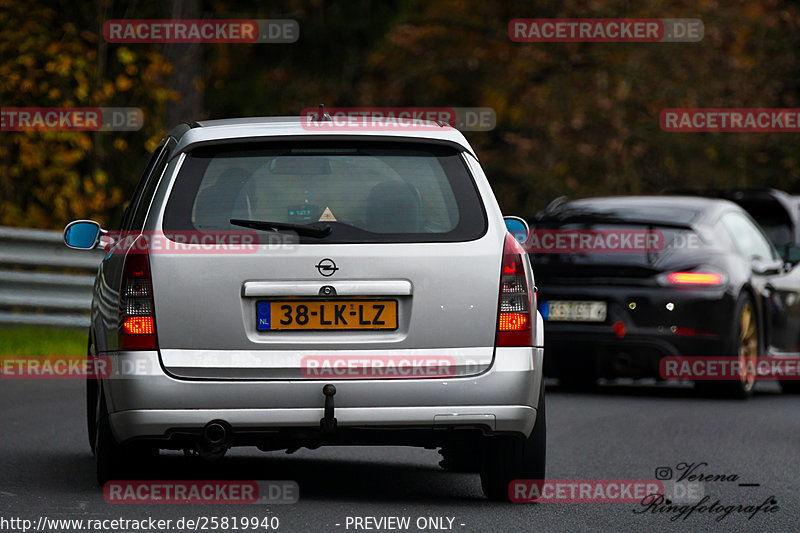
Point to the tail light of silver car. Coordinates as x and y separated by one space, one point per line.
137 311
517 302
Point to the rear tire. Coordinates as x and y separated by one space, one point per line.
790 386
508 458
461 458
91 403
744 344
114 461
108 454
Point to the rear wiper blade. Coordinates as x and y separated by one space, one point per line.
305 230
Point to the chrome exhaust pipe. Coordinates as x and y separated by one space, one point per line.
215 434
215 440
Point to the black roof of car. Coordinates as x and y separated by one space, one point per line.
769 207
673 210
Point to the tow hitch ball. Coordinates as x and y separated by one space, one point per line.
328 422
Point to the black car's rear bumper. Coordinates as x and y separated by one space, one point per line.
658 322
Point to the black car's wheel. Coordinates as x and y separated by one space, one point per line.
747 347
790 386
91 402
508 458
744 344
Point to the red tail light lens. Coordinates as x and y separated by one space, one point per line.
515 314
138 325
136 310
513 321
695 278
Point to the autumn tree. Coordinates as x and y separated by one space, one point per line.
57 58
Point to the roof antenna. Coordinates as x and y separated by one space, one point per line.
322 116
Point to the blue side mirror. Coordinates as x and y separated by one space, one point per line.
517 227
82 234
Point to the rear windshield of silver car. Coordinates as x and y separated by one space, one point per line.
328 192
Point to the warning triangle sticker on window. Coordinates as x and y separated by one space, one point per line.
327 215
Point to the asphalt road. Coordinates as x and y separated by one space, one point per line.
618 432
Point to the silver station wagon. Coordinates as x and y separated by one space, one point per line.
284 283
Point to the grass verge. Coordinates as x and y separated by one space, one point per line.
42 341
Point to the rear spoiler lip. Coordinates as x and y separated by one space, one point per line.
185 146
614 221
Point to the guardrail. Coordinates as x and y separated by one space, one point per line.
42 282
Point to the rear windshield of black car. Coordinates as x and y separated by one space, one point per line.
620 210
364 192
623 244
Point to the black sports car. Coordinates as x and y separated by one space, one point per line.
626 281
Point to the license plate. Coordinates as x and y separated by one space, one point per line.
322 315
568 311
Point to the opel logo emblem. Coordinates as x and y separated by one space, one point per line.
327 267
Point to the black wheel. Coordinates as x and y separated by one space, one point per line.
114 460
91 402
790 386
744 344
461 458
508 458
108 454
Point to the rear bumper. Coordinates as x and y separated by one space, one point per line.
659 322
589 353
147 403
161 423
